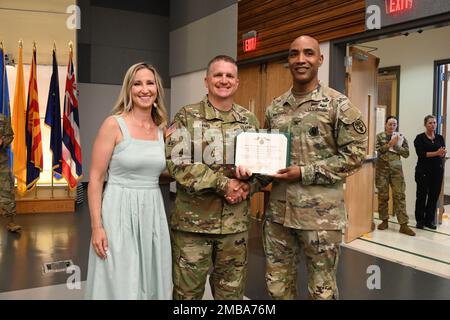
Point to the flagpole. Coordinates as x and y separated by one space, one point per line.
53 188
70 53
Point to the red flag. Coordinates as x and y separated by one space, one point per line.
33 135
71 147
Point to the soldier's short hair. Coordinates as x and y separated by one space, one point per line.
389 118
221 57
428 117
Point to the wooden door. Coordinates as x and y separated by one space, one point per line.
249 95
277 79
360 187
258 86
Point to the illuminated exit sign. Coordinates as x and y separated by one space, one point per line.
249 41
398 6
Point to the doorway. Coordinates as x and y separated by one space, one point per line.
440 107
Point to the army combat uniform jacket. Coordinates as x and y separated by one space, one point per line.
200 205
328 143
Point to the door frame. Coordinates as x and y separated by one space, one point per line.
397 71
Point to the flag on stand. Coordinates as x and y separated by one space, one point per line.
33 130
4 97
19 146
71 147
53 120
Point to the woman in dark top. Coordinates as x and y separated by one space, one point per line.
430 149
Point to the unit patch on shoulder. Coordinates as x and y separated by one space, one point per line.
359 126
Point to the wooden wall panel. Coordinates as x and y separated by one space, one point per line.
279 22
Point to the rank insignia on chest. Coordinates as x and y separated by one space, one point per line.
359 126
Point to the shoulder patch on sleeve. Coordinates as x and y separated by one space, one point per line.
359 126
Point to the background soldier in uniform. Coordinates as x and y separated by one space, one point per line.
7 198
306 206
389 172
210 219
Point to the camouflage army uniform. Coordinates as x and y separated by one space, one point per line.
7 200
204 226
328 142
389 172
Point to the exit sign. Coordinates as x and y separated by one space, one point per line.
249 44
249 41
398 6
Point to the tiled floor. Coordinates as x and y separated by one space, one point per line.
411 267
428 251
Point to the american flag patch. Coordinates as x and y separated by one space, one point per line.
171 129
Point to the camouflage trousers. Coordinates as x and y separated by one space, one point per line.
194 254
282 247
7 198
386 176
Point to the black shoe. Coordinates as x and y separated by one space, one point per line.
431 226
419 225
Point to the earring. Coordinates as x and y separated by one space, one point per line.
155 105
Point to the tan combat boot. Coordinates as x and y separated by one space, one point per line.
384 225
406 230
13 227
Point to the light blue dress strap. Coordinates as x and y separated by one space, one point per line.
125 133
123 128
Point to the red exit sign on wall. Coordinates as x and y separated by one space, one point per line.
249 40
398 6
249 44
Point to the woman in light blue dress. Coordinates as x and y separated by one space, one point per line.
130 255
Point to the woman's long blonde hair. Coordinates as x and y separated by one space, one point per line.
124 103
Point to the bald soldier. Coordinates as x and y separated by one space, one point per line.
210 219
306 206
7 198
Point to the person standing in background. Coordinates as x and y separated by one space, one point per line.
430 149
391 146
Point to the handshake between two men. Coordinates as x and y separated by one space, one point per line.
239 189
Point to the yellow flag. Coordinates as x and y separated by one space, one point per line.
18 123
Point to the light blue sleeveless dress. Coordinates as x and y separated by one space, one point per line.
139 263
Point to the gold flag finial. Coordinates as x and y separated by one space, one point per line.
54 45
1 44
71 46
34 45
20 43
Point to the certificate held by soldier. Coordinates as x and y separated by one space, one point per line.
263 153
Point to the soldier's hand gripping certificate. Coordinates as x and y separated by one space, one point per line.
263 153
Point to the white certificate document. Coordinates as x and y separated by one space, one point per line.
264 153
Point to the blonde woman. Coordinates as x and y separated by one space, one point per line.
130 252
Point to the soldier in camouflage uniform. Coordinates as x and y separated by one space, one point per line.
306 206
210 218
389 172
7 198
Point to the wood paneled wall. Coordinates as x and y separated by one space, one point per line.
279 22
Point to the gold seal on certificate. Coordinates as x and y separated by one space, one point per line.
264 153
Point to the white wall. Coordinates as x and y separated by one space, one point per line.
324 70
416 55
186 89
